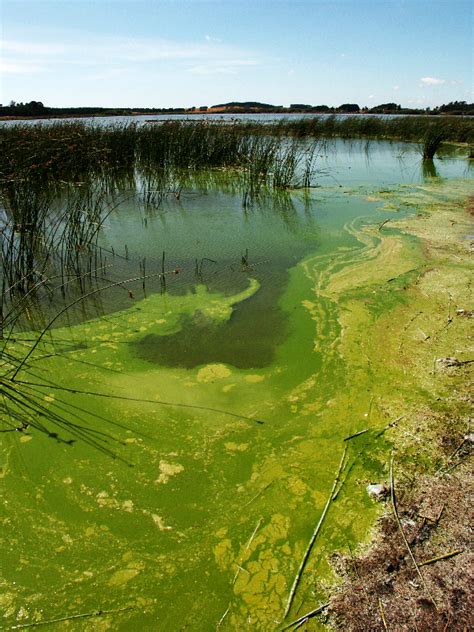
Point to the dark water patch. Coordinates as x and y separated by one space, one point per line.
247 340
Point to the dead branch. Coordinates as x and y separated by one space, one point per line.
306 555
305 617
446 556
400 527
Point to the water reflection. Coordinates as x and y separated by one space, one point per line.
429 169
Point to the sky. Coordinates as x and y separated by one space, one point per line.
184 53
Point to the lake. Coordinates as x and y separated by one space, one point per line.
194 422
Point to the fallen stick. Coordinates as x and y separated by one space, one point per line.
388 426
313 538
441 557
400 527
382 614
356 434
305 617
257 495
239 568
450 469
219 623
95 613
450 457
347 474
257 527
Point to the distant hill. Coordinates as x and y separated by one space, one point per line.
245 106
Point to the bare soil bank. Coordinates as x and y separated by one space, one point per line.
416 574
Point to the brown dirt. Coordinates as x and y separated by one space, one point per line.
436 515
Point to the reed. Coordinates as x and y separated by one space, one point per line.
78 151
57 181
433 137
45 238
401 128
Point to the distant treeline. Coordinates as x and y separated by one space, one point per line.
36 109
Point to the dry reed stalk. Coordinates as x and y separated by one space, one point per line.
317 529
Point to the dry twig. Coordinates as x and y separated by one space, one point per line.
305 617
298 575
95 613
446 556
400 527
382 614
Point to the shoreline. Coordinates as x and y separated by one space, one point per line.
381 587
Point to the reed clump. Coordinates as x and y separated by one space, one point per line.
400 128
434 136
51 154
77 151
59 182
44 238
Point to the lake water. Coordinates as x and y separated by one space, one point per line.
195 433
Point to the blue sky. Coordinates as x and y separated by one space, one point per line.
172 53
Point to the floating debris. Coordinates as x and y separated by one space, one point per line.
377 491
466 313
448 362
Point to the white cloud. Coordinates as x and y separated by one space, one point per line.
30 48
432 81
371 96
93 67
157 50
14 68
210 56
396 87
101 49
